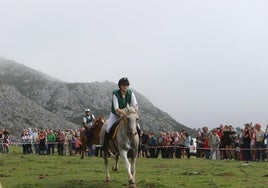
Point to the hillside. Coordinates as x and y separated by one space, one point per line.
29 98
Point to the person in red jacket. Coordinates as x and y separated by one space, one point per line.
206 147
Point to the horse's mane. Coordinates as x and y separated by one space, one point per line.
101 118
130 109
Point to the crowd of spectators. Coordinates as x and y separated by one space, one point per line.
4 141
169 144
249 143
46 141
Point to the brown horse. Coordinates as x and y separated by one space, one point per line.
98 123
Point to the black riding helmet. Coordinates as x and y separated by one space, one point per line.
123 81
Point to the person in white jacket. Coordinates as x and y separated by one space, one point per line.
121 98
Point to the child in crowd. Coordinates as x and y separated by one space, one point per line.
78 145
6 144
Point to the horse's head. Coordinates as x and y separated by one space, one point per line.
131 119
99 122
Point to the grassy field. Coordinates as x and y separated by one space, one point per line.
18 170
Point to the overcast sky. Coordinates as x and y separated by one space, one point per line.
205 62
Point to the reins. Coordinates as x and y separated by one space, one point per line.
122 119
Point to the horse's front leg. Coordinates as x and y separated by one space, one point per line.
105 157
82 152
123 155
133 167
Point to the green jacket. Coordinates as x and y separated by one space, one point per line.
122 102
51 138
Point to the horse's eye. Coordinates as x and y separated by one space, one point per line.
137 119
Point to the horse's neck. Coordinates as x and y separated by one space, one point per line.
123 127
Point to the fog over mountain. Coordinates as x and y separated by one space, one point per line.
29 98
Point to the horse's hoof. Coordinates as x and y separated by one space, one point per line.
108 180
114 168
131 183
82 157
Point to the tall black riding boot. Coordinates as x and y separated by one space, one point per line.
87 135
105 141
88 140
139 133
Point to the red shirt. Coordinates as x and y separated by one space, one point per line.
206 143
220 134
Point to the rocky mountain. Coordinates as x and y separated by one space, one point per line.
29 98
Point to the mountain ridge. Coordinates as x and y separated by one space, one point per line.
63 103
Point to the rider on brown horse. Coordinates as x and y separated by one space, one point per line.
88 120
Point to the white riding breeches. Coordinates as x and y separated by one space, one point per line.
112 120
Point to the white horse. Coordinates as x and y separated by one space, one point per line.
126 140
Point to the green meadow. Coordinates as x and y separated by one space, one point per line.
20 171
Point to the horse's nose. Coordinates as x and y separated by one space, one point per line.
133 133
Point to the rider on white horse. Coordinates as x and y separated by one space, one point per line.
121 98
